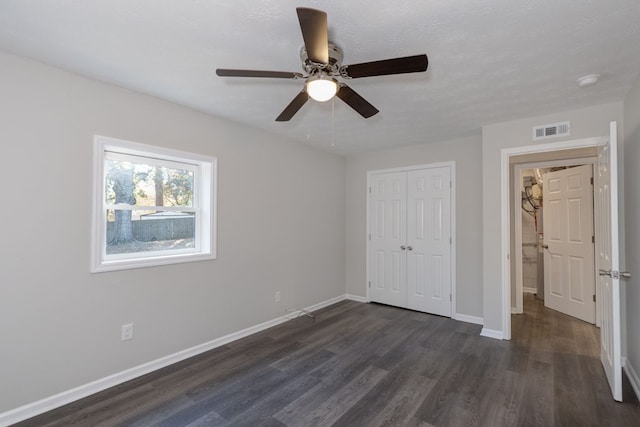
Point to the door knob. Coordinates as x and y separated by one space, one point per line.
625 274
410 248
403 247
545 246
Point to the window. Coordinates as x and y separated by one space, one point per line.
152 206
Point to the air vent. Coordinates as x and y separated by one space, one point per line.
553 130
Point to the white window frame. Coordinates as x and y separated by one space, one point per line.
204 206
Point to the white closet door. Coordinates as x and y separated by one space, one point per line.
388 228
429 241
569 283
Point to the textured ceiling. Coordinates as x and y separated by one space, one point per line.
489 61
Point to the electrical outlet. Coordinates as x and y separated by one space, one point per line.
278 296
127 332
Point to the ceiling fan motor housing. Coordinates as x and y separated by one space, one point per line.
332 68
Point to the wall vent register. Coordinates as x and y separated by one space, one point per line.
553 130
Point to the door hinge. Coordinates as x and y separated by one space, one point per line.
369 283
593 239
591 180
594 297
369 190
450 298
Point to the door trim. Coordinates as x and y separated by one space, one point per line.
505 231
452 166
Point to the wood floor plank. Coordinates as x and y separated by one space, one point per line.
260 413
537 409
440 403
483 379
507 392
568 385
309 412
210 419
155 415
392 401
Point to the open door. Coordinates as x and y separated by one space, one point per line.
569 283
608 262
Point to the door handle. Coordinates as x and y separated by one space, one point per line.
410 248
545 246
615 274
403 247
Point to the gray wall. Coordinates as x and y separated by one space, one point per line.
466 153
585 123
280 228
632 203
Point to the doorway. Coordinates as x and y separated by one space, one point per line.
564 150
606 237
578 296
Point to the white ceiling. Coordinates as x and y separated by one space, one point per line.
489 61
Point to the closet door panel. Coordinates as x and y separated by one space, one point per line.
388 229
429 240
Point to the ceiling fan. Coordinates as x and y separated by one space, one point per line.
322 63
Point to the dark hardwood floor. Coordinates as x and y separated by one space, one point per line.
373 365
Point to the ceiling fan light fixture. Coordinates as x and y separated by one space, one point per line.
322 88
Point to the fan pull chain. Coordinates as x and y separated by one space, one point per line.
333 120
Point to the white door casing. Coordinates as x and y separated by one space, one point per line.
607 260
569 250
429 241
388 234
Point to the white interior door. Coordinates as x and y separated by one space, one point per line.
388 236
429 241
569 283
608 262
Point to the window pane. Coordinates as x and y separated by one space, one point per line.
140 184
160 206
130 231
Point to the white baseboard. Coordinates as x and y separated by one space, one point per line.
492 333
632 374
469 319
355 298
36 408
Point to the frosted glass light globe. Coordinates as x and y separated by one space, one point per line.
322 89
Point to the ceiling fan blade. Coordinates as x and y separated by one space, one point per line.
293 107
355 101
226 72
407 64
315 33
